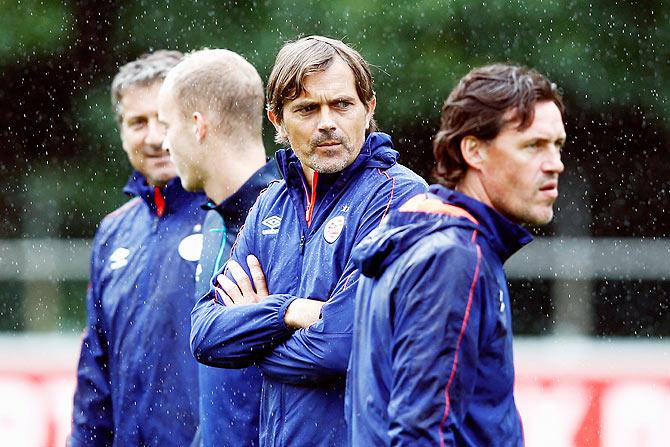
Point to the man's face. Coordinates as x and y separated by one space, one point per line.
142 134
521 169
180 140
326 124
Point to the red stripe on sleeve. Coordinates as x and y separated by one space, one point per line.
464 325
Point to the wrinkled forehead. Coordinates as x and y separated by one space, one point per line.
545 119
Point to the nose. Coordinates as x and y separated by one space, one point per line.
155 133
326 120
166 144
553 163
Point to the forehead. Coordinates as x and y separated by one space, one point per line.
140 99
547 123
336 80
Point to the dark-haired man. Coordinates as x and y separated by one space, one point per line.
340 180
137 383
431 362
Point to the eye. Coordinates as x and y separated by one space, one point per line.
343 104
137 123
307 109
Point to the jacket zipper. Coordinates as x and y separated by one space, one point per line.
159 201
311 200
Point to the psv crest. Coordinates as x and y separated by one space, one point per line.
333 229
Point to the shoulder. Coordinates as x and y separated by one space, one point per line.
402 172
127 210
450 249
397 173
267 198
123 209
270 193
399 181
428 204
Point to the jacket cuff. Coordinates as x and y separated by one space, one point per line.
282 312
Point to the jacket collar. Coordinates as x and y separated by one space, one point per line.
173 194
234 208
504 236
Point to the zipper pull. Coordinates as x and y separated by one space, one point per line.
302 243
308 213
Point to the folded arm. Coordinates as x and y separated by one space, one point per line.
321 351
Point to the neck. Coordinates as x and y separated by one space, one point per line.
230 166
471 186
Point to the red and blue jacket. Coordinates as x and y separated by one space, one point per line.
431 362
303 239
137 383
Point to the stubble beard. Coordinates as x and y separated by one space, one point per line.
330 165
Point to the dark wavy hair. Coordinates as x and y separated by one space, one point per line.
483 102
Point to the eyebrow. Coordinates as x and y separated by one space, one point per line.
300 103
538 137
135 116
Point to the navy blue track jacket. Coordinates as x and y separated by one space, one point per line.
431 363
136 380
229 398
303 371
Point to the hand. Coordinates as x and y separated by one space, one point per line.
302 313
241 291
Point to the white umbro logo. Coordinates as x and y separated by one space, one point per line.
272 223
119 258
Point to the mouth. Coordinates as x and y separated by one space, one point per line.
329 143
162 158
550 188
157 154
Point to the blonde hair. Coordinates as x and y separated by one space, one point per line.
222 82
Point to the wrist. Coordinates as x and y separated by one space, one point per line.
302 313
283 309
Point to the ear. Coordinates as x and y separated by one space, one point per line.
276 121
371 111
200 126
474 151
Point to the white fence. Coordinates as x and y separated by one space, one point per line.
550 258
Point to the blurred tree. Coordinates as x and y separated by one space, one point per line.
62 165
609 57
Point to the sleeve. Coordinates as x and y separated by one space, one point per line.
92 422
321 352
235 337
435 348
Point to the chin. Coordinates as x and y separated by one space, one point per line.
541 218
161 178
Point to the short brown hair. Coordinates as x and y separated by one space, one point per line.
479 106
309 55
222 82
144 71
